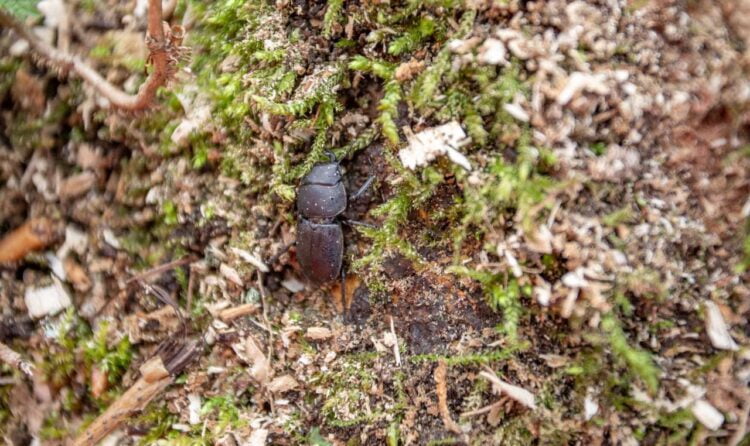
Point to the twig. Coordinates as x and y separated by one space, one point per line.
739 434
10 357
396 351
163 56
262 291
482 410
265 316
442 394
33 235
169 7
156 374
160 269
233 313
63 29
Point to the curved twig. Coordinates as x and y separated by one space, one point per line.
160 57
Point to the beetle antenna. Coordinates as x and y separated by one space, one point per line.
332 157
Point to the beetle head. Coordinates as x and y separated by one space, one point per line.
328 174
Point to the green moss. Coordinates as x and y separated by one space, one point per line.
413 36
618 217
346 393
226 410
638 361
332 16
113 360
503 294
473 358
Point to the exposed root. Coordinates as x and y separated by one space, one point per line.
33 235
442 394
165 51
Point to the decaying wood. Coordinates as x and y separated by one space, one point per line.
156 374
164 49
33 235
10 357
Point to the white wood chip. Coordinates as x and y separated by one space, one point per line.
717 329
590 408
492 52
194 408
47 300
430 143
707 414
258 438
517 112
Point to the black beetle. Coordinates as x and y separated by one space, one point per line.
321 201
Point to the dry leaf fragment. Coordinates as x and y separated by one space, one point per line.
318 333
260 369
501 387
408 70
230 274
283 384
258 437
76 185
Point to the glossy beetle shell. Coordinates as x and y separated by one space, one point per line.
320 250
321 202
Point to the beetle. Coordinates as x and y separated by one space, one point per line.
321 203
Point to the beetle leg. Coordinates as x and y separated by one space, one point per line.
343 289
281 252
362 189
350 222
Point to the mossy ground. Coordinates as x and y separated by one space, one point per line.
455 262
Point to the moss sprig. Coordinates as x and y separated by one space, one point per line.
332 16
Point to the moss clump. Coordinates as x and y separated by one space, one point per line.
638 361
347 400
113 360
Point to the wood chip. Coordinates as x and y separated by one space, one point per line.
318 333
717 329
76 185
33 235
233 313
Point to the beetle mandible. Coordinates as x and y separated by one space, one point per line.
321 201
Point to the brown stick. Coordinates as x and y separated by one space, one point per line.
159 55
156 374
33 235
10 357
154 379
441 387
